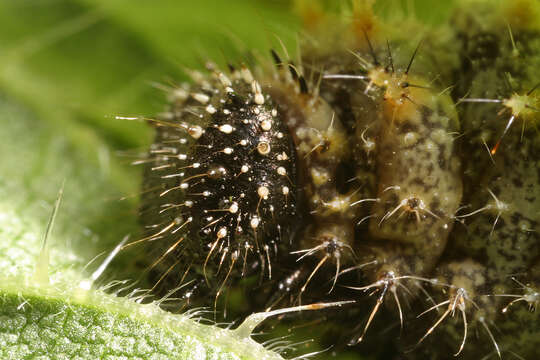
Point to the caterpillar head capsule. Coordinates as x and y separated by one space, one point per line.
221 177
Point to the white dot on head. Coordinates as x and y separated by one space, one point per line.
256 89
226 111
281 171
263 147
182 156
184 185
279 135
226 128
188 203
274 112
221 233
228 150
196 165
257 110
195 131
263 192
210 109
233 208
244 168
243 142
206 193
266 125
254 222
285 190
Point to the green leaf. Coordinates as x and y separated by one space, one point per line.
77 323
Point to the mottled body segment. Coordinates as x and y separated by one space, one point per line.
464 313
419 174
500 211
500 61
505 231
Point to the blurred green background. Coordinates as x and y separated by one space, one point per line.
68 67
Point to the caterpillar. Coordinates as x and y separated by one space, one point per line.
371 163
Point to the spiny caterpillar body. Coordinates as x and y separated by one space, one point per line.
369 164
234 174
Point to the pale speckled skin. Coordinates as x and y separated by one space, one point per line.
419 187
512 172
504 235
511 244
